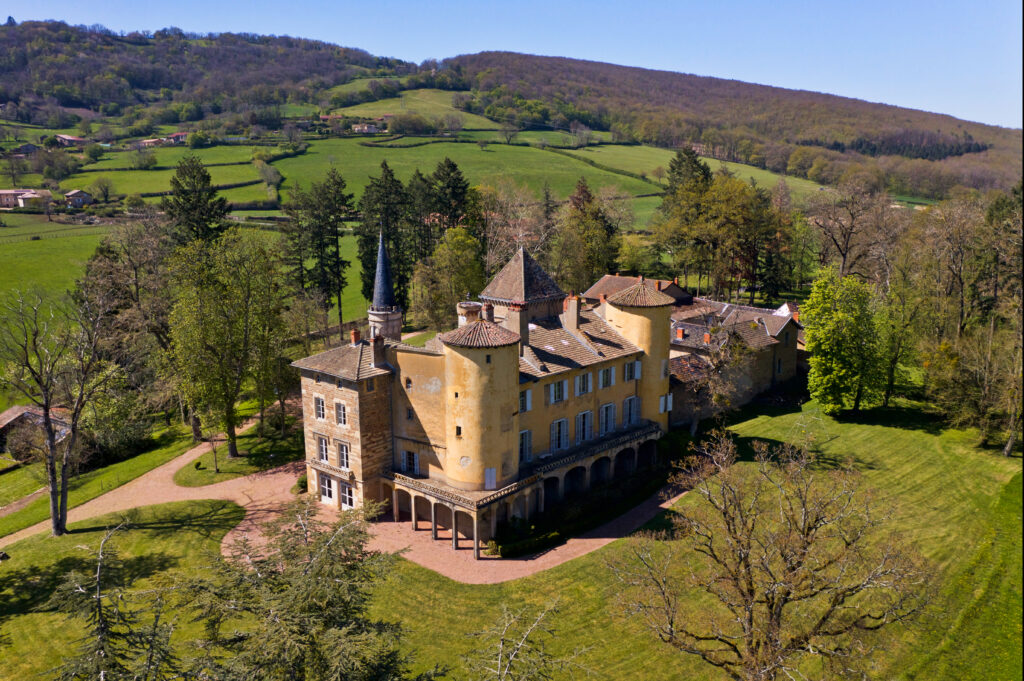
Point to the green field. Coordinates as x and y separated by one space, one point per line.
50 265
255 455
159 541
19 482
358 85
429 103
170 156
523 165
140 181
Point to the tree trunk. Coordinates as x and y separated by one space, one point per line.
197 427
1012 440
281 402
341 321
229 430
57 527
64 484
860 393
259 424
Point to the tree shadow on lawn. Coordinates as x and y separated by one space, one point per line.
900 416
211 518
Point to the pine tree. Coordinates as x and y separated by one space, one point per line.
385 208
684 168
194 208
451 191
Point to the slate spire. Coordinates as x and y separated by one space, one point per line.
383 290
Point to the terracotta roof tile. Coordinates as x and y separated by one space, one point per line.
641 294
554 349
479 334
610 284
687 368
521 280
352 362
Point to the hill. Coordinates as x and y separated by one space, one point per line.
782 130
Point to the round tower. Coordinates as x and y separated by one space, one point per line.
482 398
641 314
384 314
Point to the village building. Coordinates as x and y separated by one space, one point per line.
365 128
176 138
25 198
532 399
70 140
76 198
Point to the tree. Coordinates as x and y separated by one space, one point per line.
222 293
51 356
842 341
512 219
94 152
453 273
143 159
296 606
584 244
509 130
102 187
14 168
515 648
451 193
384 206
194 208
848 218
686 167
791 564
318 222
118 643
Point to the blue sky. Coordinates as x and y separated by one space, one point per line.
962 59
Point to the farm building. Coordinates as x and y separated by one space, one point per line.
77 198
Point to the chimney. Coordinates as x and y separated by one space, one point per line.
676 281
354 333
468 312
517 320
488 312
707 339
571 312
680 333
657 284
378 351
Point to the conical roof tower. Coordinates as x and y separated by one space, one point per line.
385 315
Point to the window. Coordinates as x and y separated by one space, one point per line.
665 403
787 337
408 414
343 454
632 370
326 488
488 359
664 368
780 367
584 426
559 434
607 416
583 384
606 377
346 496
630 411
458 431
339 414
318 408
557 391
525 446
408 383
525 400
411 463
321 449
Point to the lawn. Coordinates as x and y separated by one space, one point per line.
420 339
429 103
523 165
170 156
17 482
959 505
255 456
159 541
139 181
49 265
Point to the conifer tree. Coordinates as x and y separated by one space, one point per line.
385 208
194 208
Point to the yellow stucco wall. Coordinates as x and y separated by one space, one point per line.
648 329
485 410
419 385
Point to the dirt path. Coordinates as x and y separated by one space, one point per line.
260 494
21 503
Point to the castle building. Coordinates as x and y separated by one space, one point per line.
532 399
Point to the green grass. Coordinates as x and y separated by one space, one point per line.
170 156
959 505
16 483
429 103
159 541
255 456
420 339
357 85
49 265
523 165
139 181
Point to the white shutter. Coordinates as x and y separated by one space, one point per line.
565 433
611 417
554 436
416 464
529 399
669 402
637 372
579 428
590 382
576 382
551 393
565 388
613 375
661 404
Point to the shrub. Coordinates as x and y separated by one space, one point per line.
300 485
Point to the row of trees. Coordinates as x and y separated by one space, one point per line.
935 292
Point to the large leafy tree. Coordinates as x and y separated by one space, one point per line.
584 244
384 207
296 606
453 273
842 340
226 295
314 236
194 208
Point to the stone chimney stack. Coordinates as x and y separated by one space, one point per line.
517 320
378 351
488 313
468 311
354 333
707 339
571 312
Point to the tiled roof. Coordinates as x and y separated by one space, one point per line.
383 291
641 294
693 336
521 280
610 284
753 333
687 368
479 334
554 349
353 362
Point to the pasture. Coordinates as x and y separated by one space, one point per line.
146 181
429 103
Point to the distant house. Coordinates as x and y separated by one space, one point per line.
29 417
76 198
177 138
365 128
24 198
70 140
154 142
26 149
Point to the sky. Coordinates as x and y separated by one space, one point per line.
957 58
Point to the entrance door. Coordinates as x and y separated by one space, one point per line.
326 489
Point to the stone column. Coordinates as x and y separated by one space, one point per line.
586 477
394 503
526 505
455 529
412 511
433 520
476 536
540 498
493 512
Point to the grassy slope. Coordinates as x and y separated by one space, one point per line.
430 103
51 265
257 456
523 165
161 540
947 493
170 156
17 483
137 181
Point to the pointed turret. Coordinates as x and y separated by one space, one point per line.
384 314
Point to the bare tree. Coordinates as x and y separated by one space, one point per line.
52 356
847 217
513 218
509 130
515 649
453 123
786 565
